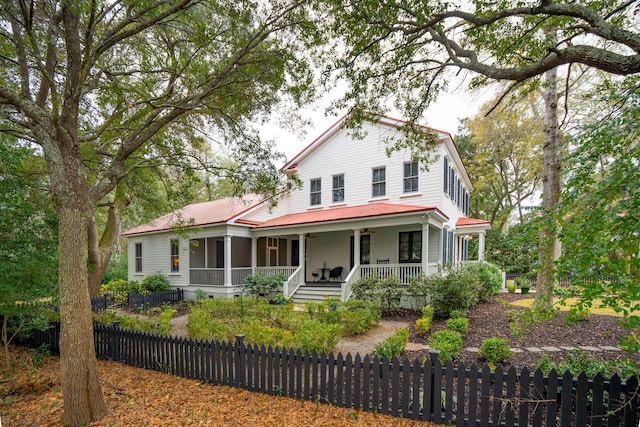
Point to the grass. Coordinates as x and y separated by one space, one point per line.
605 311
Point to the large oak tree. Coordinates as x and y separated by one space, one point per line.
103 87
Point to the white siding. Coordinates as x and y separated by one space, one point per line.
156 258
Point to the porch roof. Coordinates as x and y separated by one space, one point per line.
199 214
347 213
469 222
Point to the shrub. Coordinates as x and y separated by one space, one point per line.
457 314
451 289
458 324
316 336
581 361
385 292
394 345
118 289
428 312
489 279
116 268
495 350
357 317
258 333
156 282
259 285
448 342
423 325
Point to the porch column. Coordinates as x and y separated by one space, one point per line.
356 247
301 258
227 260
254 254
425 249
481 246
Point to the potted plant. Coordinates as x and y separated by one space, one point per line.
511 286
524 285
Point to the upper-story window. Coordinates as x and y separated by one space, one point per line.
338 188
316 192
410 177
139 257
379 182
175 255
446 176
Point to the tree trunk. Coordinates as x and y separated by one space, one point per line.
551 186
83 400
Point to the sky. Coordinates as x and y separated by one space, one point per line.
445 115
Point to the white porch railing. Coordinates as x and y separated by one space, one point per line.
404 272
291 285
345 288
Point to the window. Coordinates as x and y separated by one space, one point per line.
411 177
316 192
379 182
338 188
175 255
446 175
365 249
411 246
138 257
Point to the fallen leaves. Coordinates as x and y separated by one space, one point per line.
137 397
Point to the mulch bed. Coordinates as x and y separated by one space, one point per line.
489 319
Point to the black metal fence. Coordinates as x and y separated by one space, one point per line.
425 391
135 301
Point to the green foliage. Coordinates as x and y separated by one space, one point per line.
457 314
357 317
451 289
38 355
599 210
490 278
428 312
118 289
384 291
423 325
448 342
156 282
393 345
200 294
258 285
581 361
458 324
116 268
258 333
164 319
495 350
316 336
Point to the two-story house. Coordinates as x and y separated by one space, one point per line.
359 213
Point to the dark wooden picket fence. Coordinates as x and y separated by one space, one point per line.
565 281
450 394
136 301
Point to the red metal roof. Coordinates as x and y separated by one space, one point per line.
345 213
462 222
198 214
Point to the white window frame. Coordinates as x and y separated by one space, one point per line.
315 195
337 194
410 178
138 257
174 258
379 184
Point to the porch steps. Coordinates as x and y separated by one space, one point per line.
313 292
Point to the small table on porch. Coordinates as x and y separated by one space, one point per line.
323 277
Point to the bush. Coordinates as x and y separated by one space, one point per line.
259 285
118 289
495 350
357 317
156 282
258 333
458 324
316 336
457 314
385 292
116 268
448 342
394 345
581 361
489 279
451 289
423 325
428 312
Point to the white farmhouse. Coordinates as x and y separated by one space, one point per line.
358 213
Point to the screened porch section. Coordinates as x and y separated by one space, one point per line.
227 260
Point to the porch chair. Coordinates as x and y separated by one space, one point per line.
382 261
335 273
